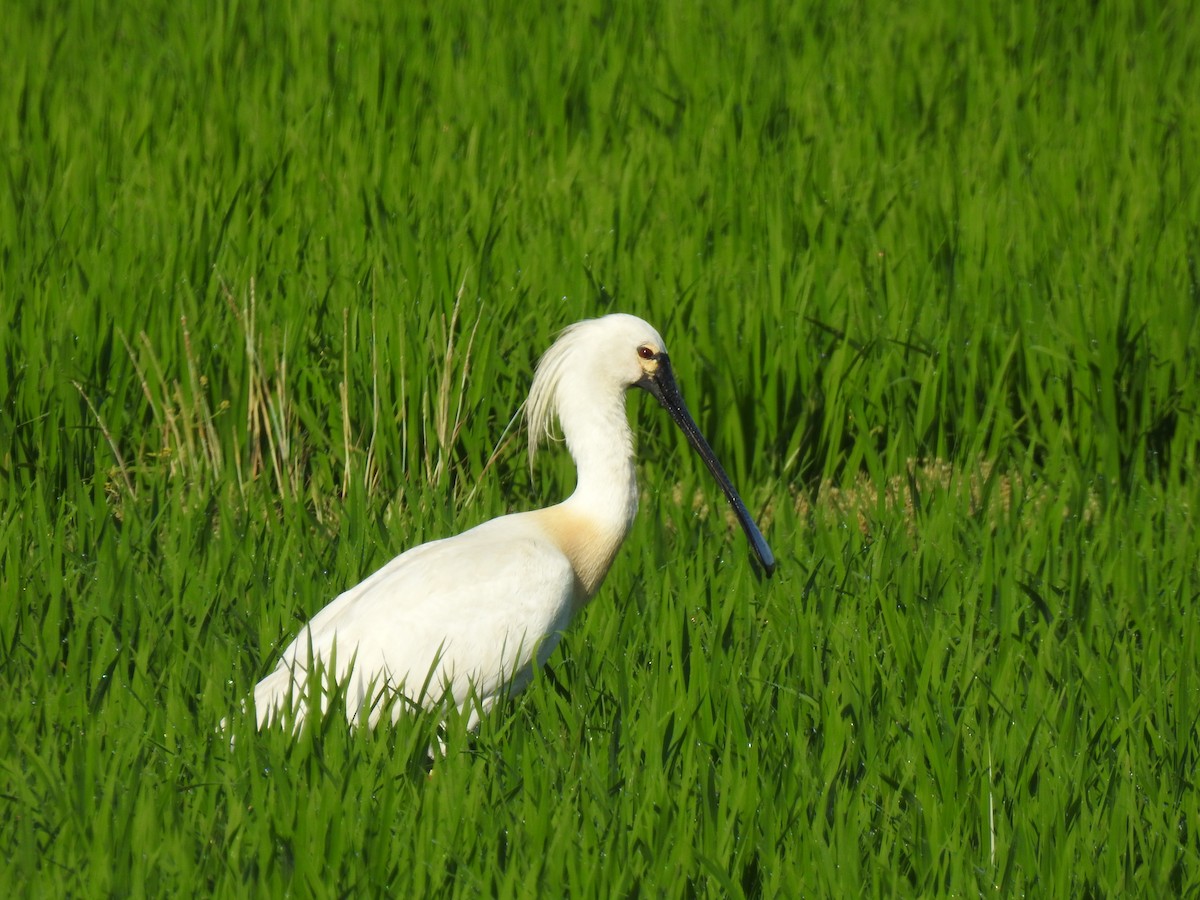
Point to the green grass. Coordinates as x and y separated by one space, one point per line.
273 279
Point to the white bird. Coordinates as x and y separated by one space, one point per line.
469 618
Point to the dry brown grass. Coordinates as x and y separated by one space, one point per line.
980 491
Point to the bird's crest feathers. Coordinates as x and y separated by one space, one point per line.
541 407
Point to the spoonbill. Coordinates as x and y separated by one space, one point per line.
471 616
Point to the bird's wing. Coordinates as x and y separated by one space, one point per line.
474 610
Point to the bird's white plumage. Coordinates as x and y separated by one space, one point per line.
480 610
485 606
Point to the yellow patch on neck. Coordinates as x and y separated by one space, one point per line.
589 545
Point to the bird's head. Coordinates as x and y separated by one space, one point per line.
603 357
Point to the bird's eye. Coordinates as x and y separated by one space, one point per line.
645 353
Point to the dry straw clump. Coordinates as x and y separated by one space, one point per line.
978 491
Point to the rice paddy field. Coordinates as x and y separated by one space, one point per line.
273 281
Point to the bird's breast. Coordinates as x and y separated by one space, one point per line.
588 544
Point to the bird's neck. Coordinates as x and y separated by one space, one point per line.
591 524
601 443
